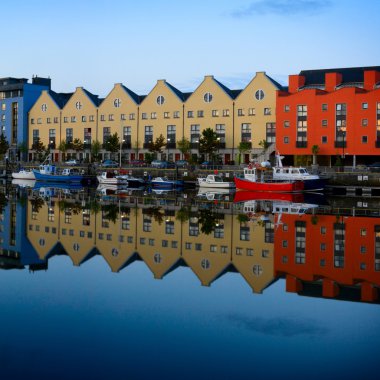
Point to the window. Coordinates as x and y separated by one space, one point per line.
213 248
270 132
169 228
69 135
117 103
286 140
148 138
239 251
226 112
324 123
214 113
200 113
153 115
285 227
188 245
160 100
363 232
166 115
364 122
144 115
249 251
363 249
265 253
176 114
322 246
301 141
259 94
102 118
240 112
284 244
267 111
364 106
323 230
251 111
244 233
324 139
131 116
324 107
123 116
364 139
106 134
286 124
286 108
284 259
246 135
110 117
198 247
207 97
48 120
84 119
190 114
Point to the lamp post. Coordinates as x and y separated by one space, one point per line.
121 146
168 148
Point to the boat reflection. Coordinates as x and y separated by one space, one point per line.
315 248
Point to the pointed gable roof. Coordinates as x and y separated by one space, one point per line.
136 98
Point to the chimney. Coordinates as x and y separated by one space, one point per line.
332 80
295 82
371 77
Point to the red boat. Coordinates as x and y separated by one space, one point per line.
244 196
252 183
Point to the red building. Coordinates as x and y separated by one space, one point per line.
336 109
329 256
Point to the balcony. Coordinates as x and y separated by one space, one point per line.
301 144
222 145
340 144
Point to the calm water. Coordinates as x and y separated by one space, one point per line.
121 296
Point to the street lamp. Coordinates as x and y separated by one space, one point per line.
121 145
168 148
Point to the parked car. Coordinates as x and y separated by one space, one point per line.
138 163
162 164
210 165
71 162
109 164
375 167
181 163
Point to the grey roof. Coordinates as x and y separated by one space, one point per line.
133 95
351 74
230 93
60 98
94 98
176 91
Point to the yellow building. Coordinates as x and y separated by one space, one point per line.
236 116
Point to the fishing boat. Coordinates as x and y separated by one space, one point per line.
215 181
24 174
254 180
165 183
131 181
110 178
50 173
312 182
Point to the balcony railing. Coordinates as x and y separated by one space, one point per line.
301 144
340 144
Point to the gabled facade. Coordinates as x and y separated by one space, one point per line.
337 110
255 114
119 113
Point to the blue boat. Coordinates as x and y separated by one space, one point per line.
50 173
165 183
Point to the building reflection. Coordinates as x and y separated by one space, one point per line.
322 251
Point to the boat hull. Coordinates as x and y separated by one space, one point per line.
284 187
244 196
57 177
166 184
23 174
216 185
315 184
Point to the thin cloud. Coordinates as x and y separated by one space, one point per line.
282 7
284 327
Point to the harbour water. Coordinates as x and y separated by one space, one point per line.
185 285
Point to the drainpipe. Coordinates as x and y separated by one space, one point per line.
233 131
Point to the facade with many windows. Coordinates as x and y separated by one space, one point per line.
236 116
337 110
17 96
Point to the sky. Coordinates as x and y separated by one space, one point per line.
95 44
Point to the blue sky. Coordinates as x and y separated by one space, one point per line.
97 43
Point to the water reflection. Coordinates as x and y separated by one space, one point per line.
322 247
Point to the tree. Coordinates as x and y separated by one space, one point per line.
207 221
208 142
96 146
183 146
112 144
244 147
77 145
158 145
264 144
315 151
4 145
23 150
39 148
62 147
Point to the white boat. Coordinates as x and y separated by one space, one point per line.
215 181
132 181
215 194
111 179
23 182
165 183
24 174
311 182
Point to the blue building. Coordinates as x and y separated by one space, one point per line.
17 96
